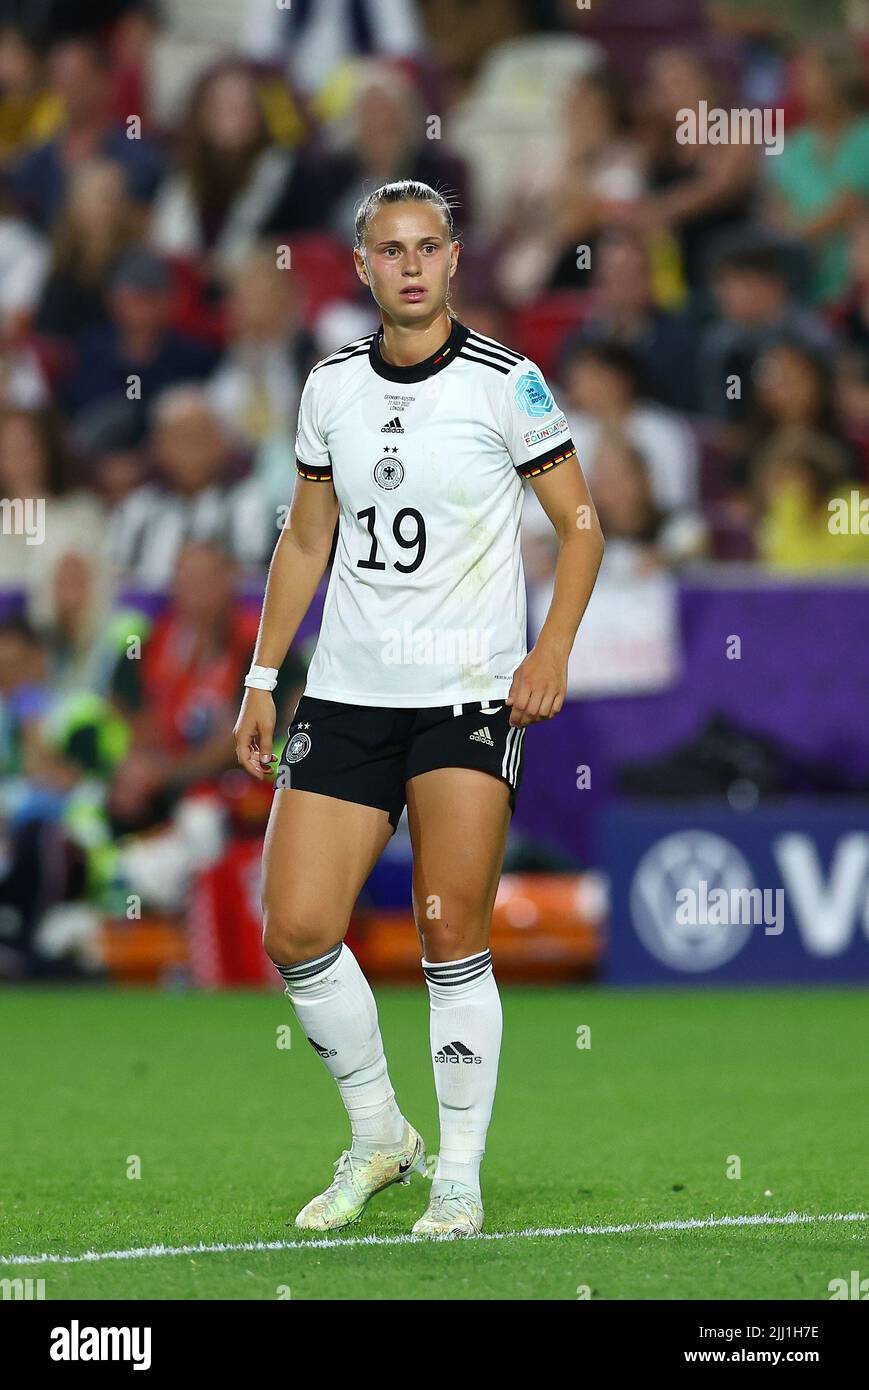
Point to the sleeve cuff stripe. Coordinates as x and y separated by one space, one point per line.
544 462
315 473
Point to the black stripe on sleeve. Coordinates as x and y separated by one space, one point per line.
543 462
335 361
314 472
479 346
480 338
484 362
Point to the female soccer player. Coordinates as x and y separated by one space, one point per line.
416 440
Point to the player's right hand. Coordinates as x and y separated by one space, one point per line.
253 732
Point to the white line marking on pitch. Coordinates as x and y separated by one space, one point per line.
146 1252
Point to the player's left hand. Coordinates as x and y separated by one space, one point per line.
538 687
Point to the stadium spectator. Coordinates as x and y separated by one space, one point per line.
623 496
570 190
463 37
231 176
137 354
98 225
794 387
697 191
80 79
23 384
629 514
112 452
24 696
24 261
57 750
38 480
755 310
315 40
129 39
196 498
851 315
382 138
31 865
623 310
800 479
30 112
180 695
180 700
85 630
603 389
852 403
627 642
819 184
640 535
256 387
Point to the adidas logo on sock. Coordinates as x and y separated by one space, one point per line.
457 1052
323 1051
393 426
483 736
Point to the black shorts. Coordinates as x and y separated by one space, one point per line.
366 753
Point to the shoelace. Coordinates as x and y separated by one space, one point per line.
464 1199
343 1167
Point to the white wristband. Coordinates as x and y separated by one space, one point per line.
261 678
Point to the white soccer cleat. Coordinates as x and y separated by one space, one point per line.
454 1210
357 1179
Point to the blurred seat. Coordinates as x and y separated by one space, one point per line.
545 928
324 267
192 312
730 536
540 329
149 951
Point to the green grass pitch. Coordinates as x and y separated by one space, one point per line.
234 1134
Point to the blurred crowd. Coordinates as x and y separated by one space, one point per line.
177 188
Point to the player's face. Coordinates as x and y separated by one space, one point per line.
408 261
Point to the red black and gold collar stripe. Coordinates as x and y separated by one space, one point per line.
419 371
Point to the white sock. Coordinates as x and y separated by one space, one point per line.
466 1026
335 1007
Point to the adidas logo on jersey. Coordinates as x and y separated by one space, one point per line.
393 426
483 736
457 1052
323 1051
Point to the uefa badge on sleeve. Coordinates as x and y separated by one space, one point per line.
532 397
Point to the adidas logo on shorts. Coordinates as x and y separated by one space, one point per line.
457 1052
323 1051
483 736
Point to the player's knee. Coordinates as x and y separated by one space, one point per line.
292 934
462 935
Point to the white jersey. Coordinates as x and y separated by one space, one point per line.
426 599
